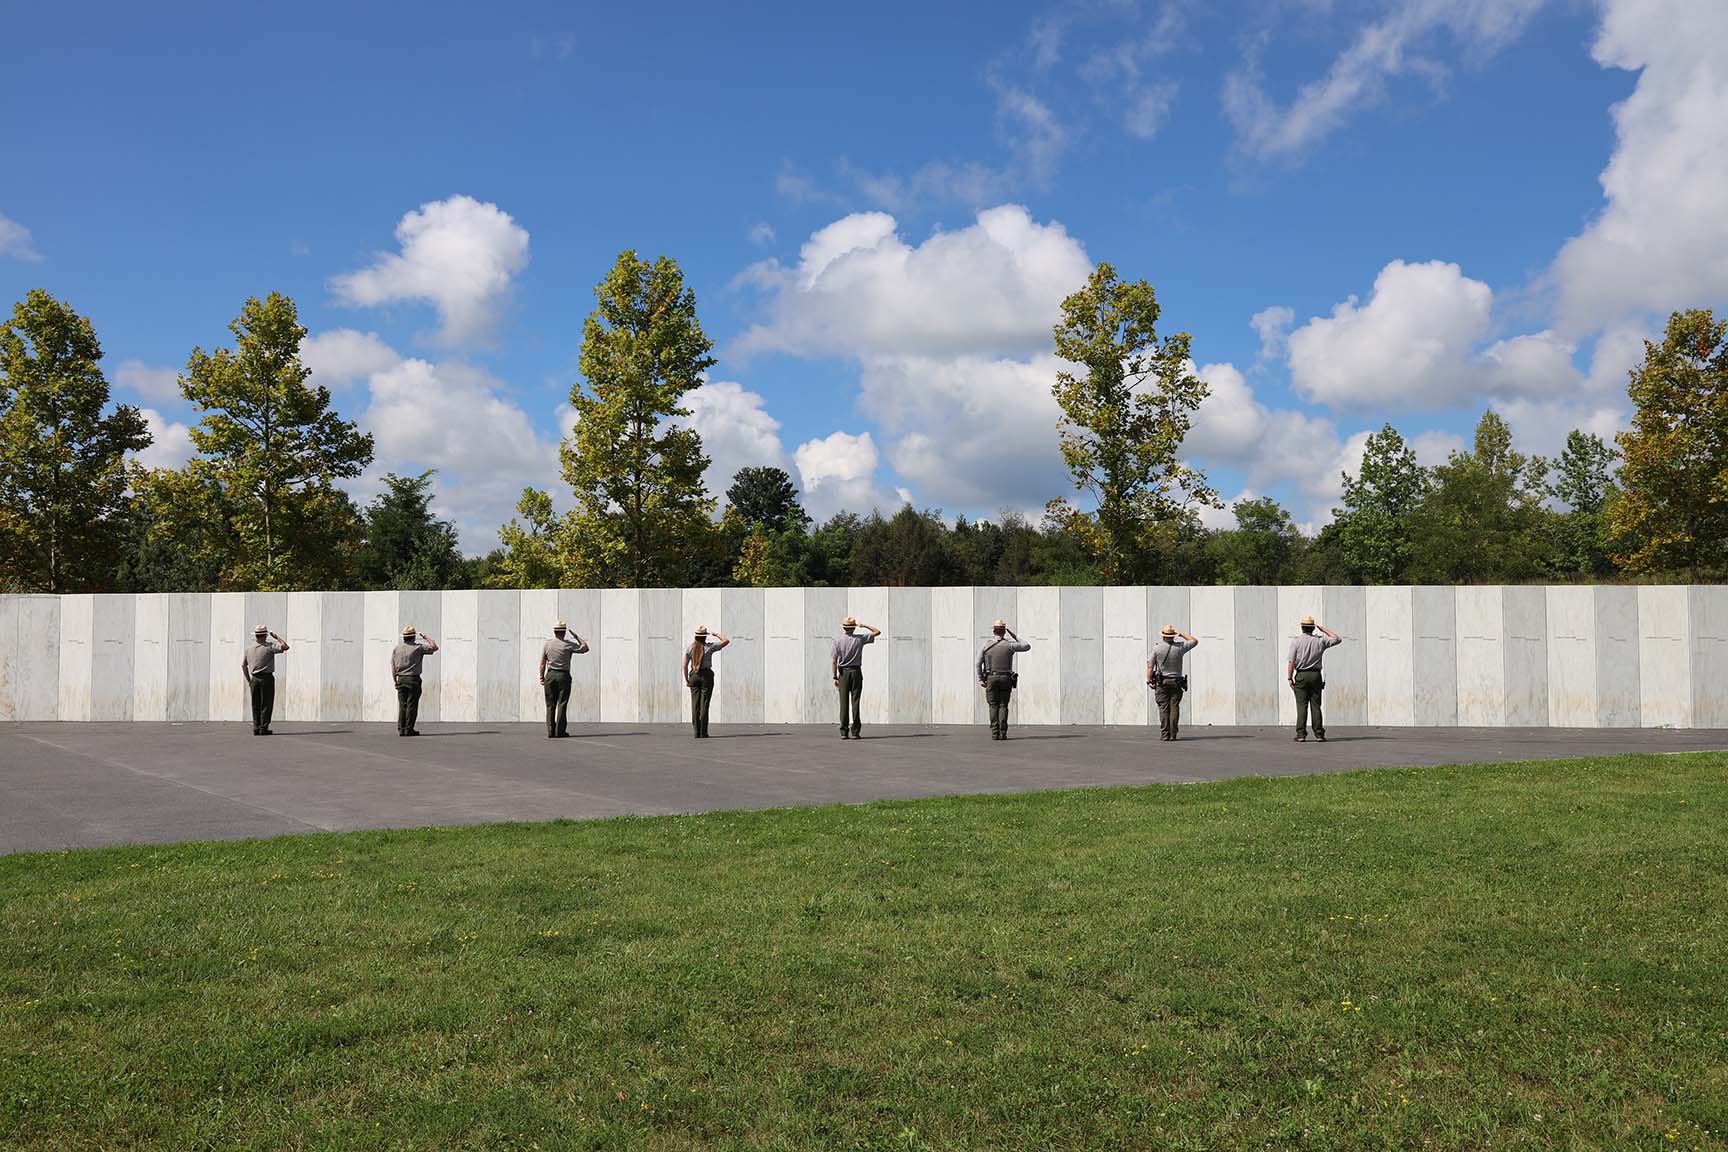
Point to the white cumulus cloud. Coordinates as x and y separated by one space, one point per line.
1410 344
161 385
1661 240
341 356
170 441
458 254
859 288
16 242
838 474
736 430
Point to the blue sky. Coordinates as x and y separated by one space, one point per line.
1403 210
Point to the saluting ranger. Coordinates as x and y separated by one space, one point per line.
848 667
555 677
405 662
1306 681
1164 673
996 674
258 665
699 675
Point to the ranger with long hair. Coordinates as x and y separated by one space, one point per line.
699 675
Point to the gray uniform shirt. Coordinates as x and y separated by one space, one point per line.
996 657
557 654
1167 657
261 658
849 650
709 647
405 659
1306 650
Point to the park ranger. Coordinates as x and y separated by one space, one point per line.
555 677
699 675
1164 673
405 661
848 668
996 674
1302 668
258 665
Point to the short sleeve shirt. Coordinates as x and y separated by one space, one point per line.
709 647
406 659
1306 650
261 658
849 650
1167 657
557 654
996 657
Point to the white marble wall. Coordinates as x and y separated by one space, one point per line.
1475 656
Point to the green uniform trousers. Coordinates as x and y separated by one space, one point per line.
998 691
1307 685
557 702
701 696
1169 699
263 700
407 703
851 693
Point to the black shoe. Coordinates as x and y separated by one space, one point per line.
265 732
412 732
1320 737
1301 739
845 736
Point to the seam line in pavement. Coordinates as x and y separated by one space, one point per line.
124 767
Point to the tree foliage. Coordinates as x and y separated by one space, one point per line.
767 498
1673 513
1260 549
1482 518
1583 480
1374 534
642 512
406 546
62 452
1124 416
271 451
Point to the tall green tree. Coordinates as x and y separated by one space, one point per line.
642 513
1482 518
532 546
767 498
62 452
1374 534
274 449
1673 512
1583 480
907 550
1124 415
180 538
406 546
1261 549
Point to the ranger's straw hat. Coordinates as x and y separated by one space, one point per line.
1169 630
408 630
1307 621
260 631
1000 624
701 629
848 623
560 626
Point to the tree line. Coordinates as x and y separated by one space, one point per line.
261 505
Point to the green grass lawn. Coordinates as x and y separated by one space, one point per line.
1525 956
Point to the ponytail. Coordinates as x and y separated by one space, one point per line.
697 648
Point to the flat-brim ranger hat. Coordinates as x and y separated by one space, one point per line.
701 629
260 631
1169 630
408 631
1307 621
560 627
1000 624
848 623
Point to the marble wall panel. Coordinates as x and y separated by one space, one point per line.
909 690
112 626
1617 656
188 695
32 658
621 654
1709 655
1665 656
77 652
1346 613
1211 669
1128 636
1434 677
459 657
342 646
665 696
738 698
1571 622
230 633
954 687
150 658
1259 663
1389 648
382 614
1524 614
824 608
497 657
783 655
301 696
1083 676
988 606
1481 657
537 611
1038 699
